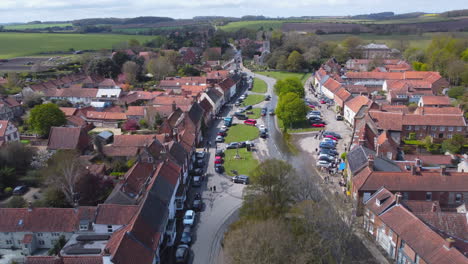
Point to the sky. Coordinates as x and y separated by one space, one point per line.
64 10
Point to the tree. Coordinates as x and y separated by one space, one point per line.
456 91
104 67
120 57
17 202
291 109
130 125
295 61
454 144
188 70
454 71
45 116
131 70
290 85
282 62
63 172
160 67
351 44
31 99
16 155
7 177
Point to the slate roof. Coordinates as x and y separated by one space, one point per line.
214 95
357 159
195 113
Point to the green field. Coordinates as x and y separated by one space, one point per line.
279 75
255 25
25 44
35 26
299 127
244 165
259 86
238 133
256 113
253 99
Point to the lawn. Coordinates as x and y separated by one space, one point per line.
240 132
35 26
259 86
279 75
299 127
256 113
244 165
25 44
254 99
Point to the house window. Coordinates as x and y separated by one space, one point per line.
459 128
449 135
83 227
9 242
433 135
109 228
408 128
450 128
416 127
428 196
6 233
458 198
423 127
41 242
39 234
434 128
55 234
442 128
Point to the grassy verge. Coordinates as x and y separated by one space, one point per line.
256 113
259 86
299 127
244 165
241 133
279 75
413 142
254 99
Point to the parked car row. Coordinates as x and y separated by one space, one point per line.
327 157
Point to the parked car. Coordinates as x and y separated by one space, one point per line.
241 179
250 122
199 164
233 145
223 134
241 117
271 112
219 139
263 134
331 137
267 97
197 202
314 113
196 171
248 107
264 111
311 106
219 160
242 97
196 181
323 101
238 103
339 117
219 168
318 125
330 152
326 145
332 133
326 157
322 163
200 155
182 253
186 237
189 217
224 130
20 190
329 140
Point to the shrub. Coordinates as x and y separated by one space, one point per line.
343 156
8 190
143 123
412 136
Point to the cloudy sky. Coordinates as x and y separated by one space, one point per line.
55 10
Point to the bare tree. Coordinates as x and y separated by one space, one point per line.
160 67
131 70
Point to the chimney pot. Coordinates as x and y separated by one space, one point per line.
370 162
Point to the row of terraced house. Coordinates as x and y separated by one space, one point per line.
412 205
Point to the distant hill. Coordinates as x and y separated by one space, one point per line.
120 21
388 16
455 13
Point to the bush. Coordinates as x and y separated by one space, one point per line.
117 174
16 202
143 123
130 163
343 156
455 92
8 190
412 136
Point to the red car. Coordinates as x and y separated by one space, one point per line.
323 102
250 122
223 134
218 160
311 106
332 137
318 125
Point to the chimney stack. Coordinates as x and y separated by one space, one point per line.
370 162
174 106
362 142
398 198
449 243
413 170
30 206
443 170
418 162
434 207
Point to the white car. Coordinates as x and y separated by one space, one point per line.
329 140
320 163
189 217
224 128
219 139
242 97
262 127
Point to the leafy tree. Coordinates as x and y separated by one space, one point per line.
455 70
7 177
464 55
131 70
64 103
57 246
290 85
456 91
282 63
45 116
188 70
351 44
120 57
454 144
17 156
419 66
291 109
295 61
17 202
54 197
104 67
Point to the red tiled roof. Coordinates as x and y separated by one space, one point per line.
451 223
136 176
43 260
114 214
226 84
68 111
169 100
105 115
431 159
375 75
433 120
357 102
435 100
67 138
112 151
206 105
343 94
438 111
43 219
132 140
136 111
170 171
417 206
218 75
76 121
387 120
332 85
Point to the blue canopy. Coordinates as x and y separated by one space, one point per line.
342 166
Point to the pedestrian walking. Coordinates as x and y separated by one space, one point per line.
214 188
316 150
211 189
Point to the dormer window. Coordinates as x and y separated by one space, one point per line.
83 227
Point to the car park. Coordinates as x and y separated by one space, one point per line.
196 181
219 139
250 122
189 218
324 164
186 237
241 179
219 168
20 190
182 253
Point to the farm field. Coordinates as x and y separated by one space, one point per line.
25 44
279 75
395 40
35 26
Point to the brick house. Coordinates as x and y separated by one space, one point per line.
8 132
408 237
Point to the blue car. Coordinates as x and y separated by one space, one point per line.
326 145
